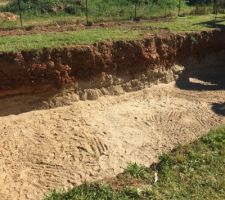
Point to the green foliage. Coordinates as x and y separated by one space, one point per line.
104 10
86 192
137 171
113 9
132 193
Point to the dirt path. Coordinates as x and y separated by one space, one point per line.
73 26
89 140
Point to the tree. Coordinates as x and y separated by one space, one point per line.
215 7
179 7
167 4
135 3
86 12
218 4
20 12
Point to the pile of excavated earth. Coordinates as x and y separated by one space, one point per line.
82 113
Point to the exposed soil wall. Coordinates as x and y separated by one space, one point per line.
108 63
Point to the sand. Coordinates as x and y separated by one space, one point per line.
42 150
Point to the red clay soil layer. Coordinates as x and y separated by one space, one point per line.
63 66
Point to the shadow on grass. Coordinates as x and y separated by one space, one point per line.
215 24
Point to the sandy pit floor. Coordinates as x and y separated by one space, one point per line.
41 150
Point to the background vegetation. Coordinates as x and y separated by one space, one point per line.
105 10
96 8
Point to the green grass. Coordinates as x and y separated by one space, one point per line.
89 36
196 171
137 171
188 23
39 41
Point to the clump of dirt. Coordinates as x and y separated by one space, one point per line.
7 16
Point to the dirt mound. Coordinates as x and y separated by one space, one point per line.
7 16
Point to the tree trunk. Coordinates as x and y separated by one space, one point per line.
21 20
135 11
86 11
179 8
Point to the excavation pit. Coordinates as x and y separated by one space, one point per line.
82 113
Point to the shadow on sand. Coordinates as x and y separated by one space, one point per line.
18 104
204 80
219 108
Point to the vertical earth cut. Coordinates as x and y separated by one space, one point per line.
106 63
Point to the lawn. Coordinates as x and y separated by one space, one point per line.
195 171
39 41
126 32
190 23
